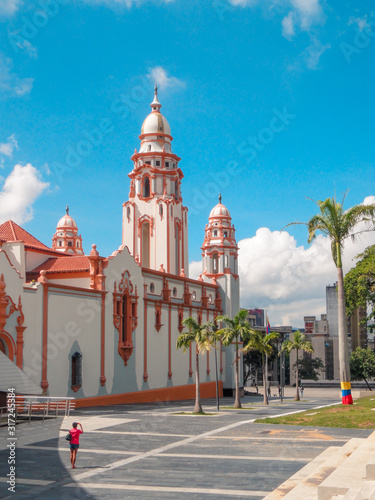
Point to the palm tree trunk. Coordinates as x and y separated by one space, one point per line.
237 402
368 385
343 340
297 381
198 406
265 397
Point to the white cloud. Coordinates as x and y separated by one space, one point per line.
287 279
27 47
309 12
302 14
361 22
288 26
369 200
20 190
314 52
195 269
7 148
9 7
160 76
10 82
125 3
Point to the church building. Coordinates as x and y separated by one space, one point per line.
104 329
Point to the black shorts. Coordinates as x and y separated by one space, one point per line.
74 446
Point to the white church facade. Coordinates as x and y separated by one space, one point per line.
104 329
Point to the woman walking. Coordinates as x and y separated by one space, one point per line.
74 442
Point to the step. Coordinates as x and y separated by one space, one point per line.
305 481
300 475
349 474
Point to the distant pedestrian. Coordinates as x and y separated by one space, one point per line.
269 391
256 388
74 442
279 390
301 390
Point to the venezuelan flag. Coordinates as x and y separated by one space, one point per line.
268 326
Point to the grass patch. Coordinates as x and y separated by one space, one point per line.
357 416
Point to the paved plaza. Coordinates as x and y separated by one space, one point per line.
153 452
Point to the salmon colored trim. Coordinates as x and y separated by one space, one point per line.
65 275
169 343
178 279
102 343
10 344
145 374
20 342
168 241
178 393
74 289
44 384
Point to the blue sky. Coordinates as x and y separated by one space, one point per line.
227 71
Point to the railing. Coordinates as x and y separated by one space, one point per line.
27 407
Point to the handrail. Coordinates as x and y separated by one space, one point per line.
30 406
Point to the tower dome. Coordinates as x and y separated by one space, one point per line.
66 239
155 132
219 250
219 210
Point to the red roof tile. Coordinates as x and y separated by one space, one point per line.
64 264
10 231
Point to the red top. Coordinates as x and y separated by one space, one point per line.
75 435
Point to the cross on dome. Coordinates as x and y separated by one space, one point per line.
155 105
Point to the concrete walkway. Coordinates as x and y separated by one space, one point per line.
152 451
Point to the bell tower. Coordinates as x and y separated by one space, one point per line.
220 256
154 223
220 264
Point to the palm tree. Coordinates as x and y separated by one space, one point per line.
237 329
262 342
299 343
338 225
202 336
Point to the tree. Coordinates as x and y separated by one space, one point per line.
309 368
201 335
237 329
360 284
252 361
262 342
362 365
338 225
299 343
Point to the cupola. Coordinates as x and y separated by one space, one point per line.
66 239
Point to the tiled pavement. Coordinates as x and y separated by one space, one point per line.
149 451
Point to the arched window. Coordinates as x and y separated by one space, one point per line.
226 261
146 244
215 263
161 210
149 147
146 187
177 250
176 190
128 212
76 369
